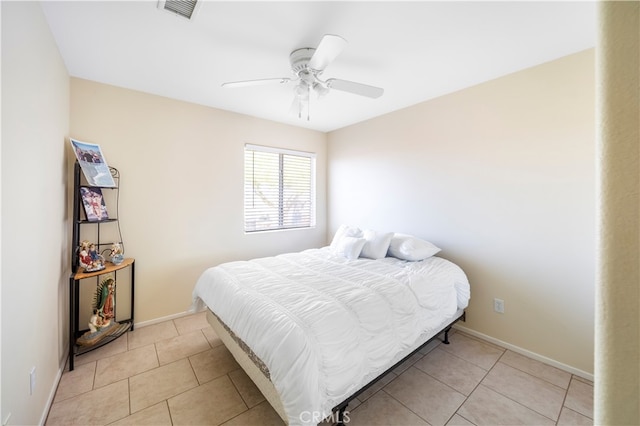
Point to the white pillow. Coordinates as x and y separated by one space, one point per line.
345 231
349 247
377 244
408 247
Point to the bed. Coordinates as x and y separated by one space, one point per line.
315 328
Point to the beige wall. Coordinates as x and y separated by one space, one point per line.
35 246
501 177
181 197
617 383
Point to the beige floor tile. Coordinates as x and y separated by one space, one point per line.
430 346
156 385
430 386
382 409
355 402
260 415
408 363
451 370
458 420
114 347
583 380
144 336
182 346
97 407
212 337
155 415
536 368
76 382
213 363
210 404
482 354
569 417
125 365
533 393
486 407
377 386
580 398
432 400
250 394
332 418
190 323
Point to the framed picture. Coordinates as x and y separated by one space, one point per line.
93 164
93 202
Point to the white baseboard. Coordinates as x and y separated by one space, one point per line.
162 319
54 389
526 353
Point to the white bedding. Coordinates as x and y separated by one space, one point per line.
325 326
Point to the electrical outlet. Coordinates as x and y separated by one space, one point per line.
498 306
32 380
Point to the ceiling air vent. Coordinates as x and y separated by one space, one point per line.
185 8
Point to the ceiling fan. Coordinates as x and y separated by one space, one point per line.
307 64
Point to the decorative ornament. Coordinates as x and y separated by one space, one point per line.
102 322
89 258
116 254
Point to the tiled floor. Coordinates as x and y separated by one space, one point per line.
178 372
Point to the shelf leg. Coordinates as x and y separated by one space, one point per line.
72 322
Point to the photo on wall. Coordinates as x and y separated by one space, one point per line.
94 205
93 164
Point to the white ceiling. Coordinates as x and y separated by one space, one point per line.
415 50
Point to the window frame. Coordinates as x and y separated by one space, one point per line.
312 192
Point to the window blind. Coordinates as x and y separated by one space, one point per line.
279 189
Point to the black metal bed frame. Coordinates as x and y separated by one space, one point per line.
341 408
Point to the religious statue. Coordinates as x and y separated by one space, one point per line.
116 253
106 304
89 258
102 321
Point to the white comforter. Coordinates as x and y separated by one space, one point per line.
325 326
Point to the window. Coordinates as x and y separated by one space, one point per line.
279 189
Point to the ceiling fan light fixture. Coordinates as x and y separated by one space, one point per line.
302 91
320 89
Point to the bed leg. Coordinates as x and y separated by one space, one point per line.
446 336
340 417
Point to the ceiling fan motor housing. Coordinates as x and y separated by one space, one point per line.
300 58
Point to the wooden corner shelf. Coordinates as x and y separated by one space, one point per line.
109 267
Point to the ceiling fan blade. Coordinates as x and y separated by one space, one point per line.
355 88
329 48
246 83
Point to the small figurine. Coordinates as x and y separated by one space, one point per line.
116 254
89 258
83 256
102 322
97 323
95 257
106 301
